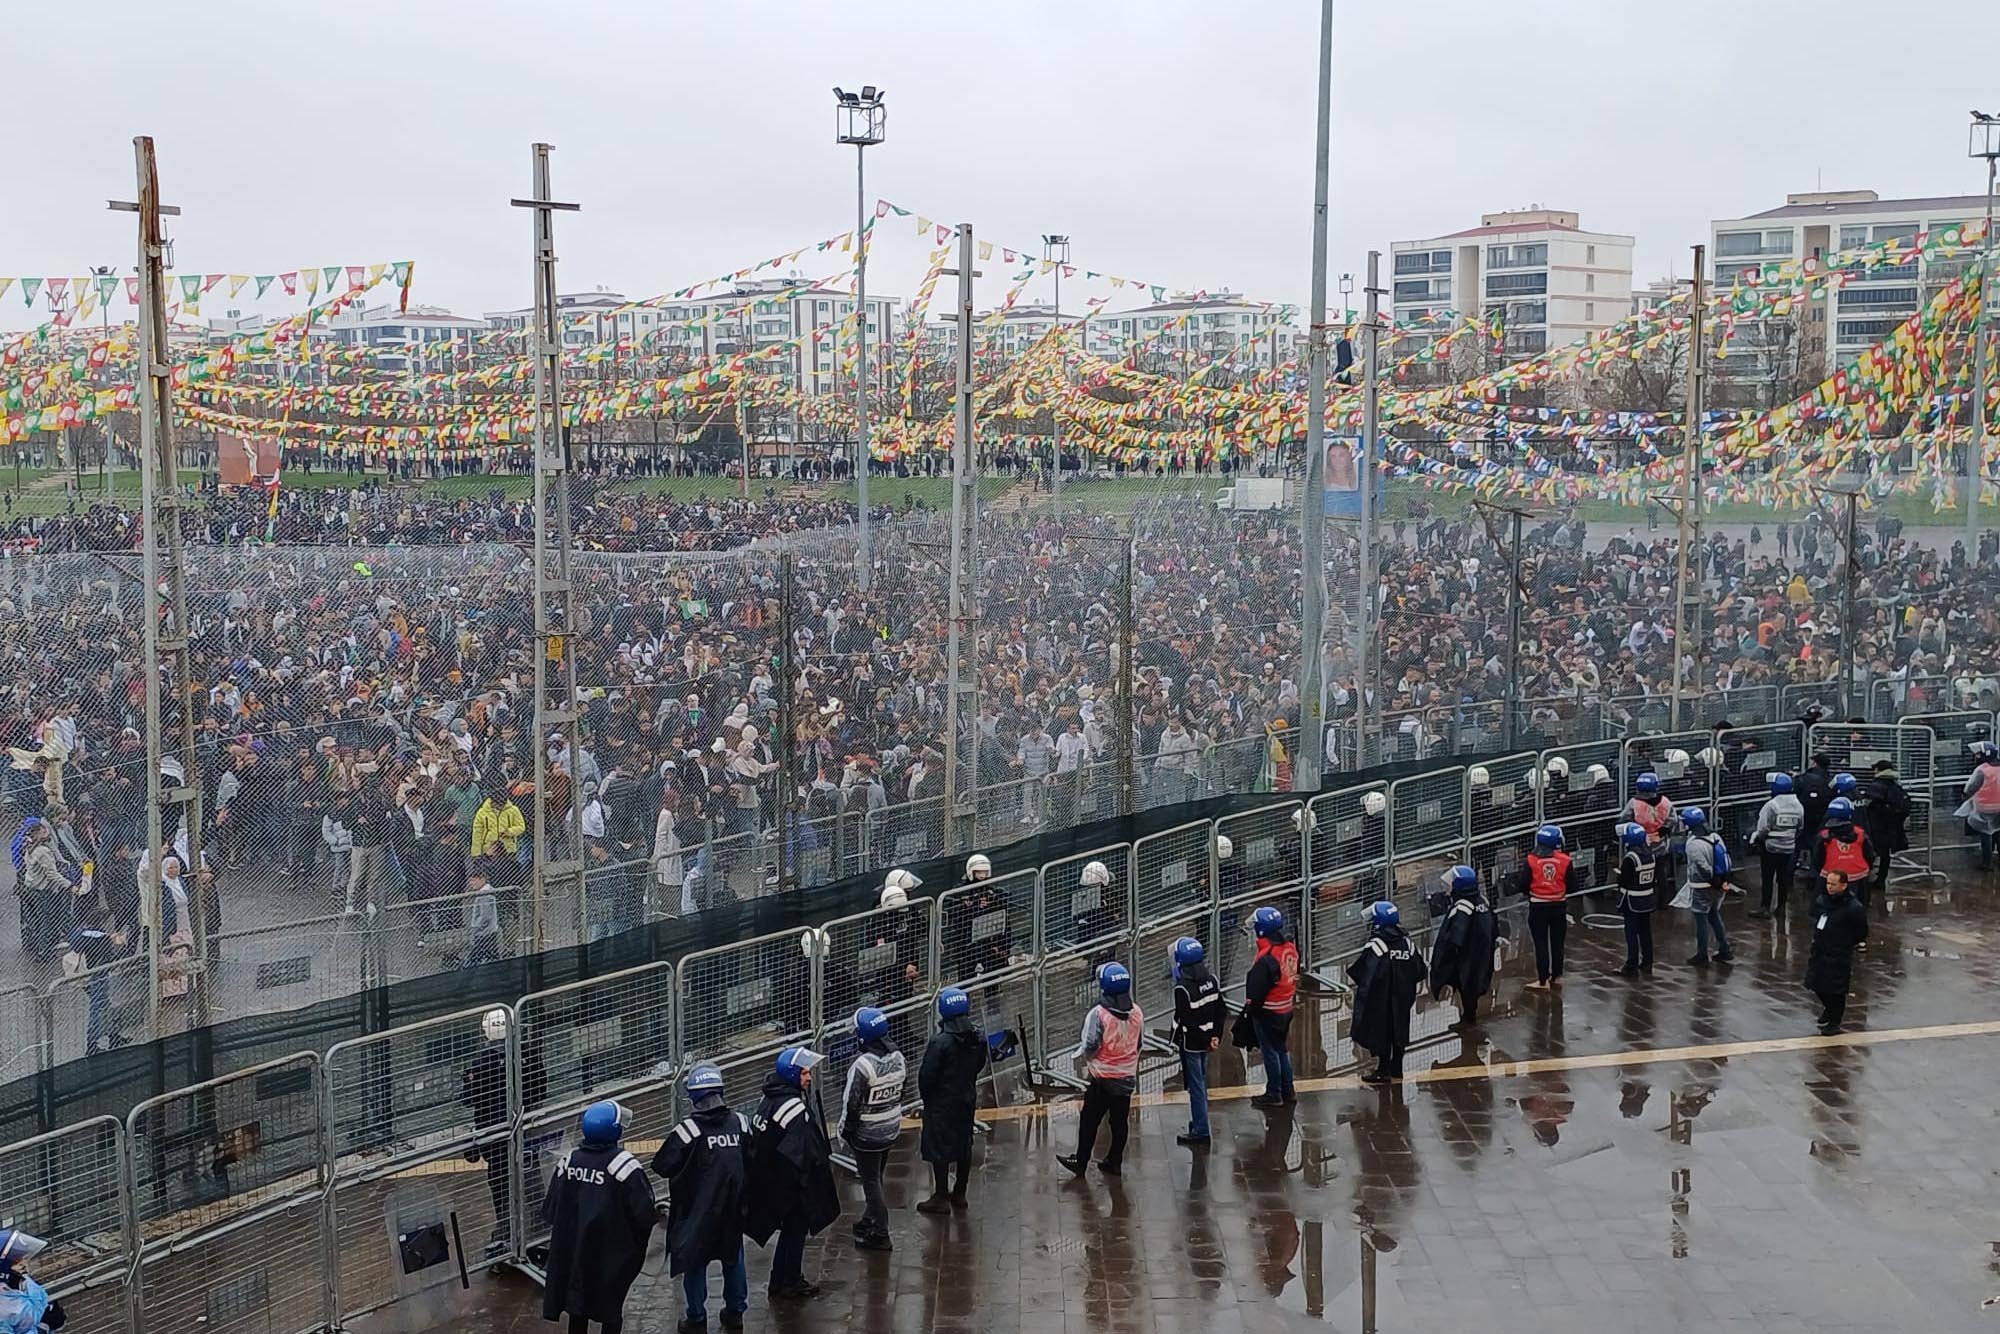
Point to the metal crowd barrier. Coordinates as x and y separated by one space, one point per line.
310 1190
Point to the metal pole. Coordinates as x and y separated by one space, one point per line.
1127 667
1975 457
166 664
1055 413
865 552
1687 568
1847 709
1371 583
962 500
1513 627
788 770
555 662
743 427
1312 495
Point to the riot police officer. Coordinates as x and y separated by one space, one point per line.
1638 896
1270 989
703 1162
25 1306
948 1082
791 1193
871 1118
1198 1016
1386 976
1462 956
600 1213
1109 1053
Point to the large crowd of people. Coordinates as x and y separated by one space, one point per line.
364 678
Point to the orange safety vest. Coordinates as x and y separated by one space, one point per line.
1986 797
1846 857
1651 816
1118 1054
1548 877
1285 990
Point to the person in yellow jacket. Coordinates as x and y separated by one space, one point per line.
497 826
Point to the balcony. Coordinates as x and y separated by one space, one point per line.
1418 266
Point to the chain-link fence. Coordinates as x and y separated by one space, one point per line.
67 1187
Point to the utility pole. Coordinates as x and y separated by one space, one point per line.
1312 495
1367 703
1986 144
1516 595
788 768
555 623
170 751
964 516
1128 647
1687 569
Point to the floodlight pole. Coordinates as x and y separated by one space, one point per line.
1055 249
166 665
1368 702
1687 569
555 622
1312 494
863 121
964 517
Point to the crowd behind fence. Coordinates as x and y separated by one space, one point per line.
316 1186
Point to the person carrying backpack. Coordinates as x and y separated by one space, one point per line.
1706 868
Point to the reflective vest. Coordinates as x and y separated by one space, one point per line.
1986 797
1639 898
1548 877
1846 857
1285 990
1652 816
880 1078
1118 1050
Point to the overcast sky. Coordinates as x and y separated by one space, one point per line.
1171 139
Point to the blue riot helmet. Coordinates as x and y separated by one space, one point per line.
1188 950
1839 810
703 1083
795 1063
1462 880
952 1003
16 1246
1844 785
1549 837
1382 915
604 1122
1632 835
1114 979
1695 818
1647 784
870 1023
1267 922
1781 785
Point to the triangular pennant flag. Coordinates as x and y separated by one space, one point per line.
209 281
375 272
5 283
264 281
986 250
132 290
30 286
328 274
56 288
943 233
355 273
312 280
190 286
106 285
291 282
236 282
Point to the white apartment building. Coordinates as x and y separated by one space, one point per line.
385 326
1204 328
1820 336
1658 292
1550 280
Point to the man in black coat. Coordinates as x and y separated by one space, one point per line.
1840 924
1885 818
1462 954
791 1192
1815 790
601 1214
948 1083
704 1160
1386 977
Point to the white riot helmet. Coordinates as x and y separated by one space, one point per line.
1224 849
896 888
1478 777
1710 757
494 1025
978 867
809 942
1304 820
1374 804
1597 774
1558 767
1675 758
1096 873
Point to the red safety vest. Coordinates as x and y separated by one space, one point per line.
1986 797
1548 877
1286 988
1846 857
1118 1052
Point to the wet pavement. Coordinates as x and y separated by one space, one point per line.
1680 1151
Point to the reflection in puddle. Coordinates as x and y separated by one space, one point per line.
1682 1182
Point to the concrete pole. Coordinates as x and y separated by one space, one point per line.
1312 495
1687 570
963 500
1369 701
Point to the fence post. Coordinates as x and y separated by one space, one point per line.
128 1192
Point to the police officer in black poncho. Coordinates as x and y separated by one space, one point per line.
791 1193
1462 954
600 1213
1386 976
705 1161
